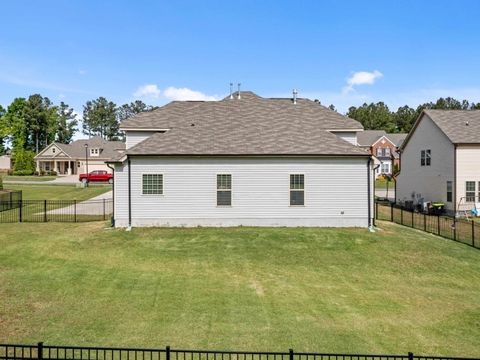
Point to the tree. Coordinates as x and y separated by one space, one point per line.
66 124
3 133
23 162
100 118
14 126
405 118
40 118
128 110
373 116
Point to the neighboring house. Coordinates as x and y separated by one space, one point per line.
5 163
243 160
69 159
384 146
440 160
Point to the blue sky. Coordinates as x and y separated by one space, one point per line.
341 52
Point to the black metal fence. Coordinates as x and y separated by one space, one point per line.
449 227
56 210
9 199
44 352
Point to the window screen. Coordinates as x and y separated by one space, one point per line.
152 184
224 190
297 189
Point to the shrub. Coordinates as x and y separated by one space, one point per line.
23 161
10 172
52 173
1 182
22 172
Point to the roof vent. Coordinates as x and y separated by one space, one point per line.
295 93
238 93
466 123
231 91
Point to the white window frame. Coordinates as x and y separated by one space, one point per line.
290 190
474 191
387 151
424 156
217 189
383 165
163 185
450 190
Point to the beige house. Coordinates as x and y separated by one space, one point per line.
440 161
5 163
74 158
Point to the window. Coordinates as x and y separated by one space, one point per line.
53 150
425 158
94 152
470 191
297 189
387 151
78 164
449 191
152 184
224 190
385 168
379 151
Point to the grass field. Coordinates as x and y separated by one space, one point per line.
28 178
382 184
57 192
328 290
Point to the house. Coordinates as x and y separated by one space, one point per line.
5 163
384 146
440 160
75 158
243 160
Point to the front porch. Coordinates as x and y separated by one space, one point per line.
62 167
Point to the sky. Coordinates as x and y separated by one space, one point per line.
340 52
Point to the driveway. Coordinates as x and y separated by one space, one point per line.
93 206
60 180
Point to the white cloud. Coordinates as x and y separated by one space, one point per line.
148 91
174 93
362 78
82 72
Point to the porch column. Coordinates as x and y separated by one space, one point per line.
55 165
69 167
37 168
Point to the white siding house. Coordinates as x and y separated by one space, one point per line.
440 155
242 162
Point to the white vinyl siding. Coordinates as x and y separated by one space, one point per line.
350 136
132 138
337 192
468 169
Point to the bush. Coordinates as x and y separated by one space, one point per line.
52 173
10 172
23 161
22 172
1 182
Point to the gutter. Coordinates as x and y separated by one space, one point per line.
370 227
113 194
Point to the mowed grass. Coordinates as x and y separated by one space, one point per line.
58 192
29 178
382 184
311 289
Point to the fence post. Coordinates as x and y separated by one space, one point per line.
391 212
44 210
410 356
473 233
290 351
454 228
103 209
167 353
20 210
401 216
424 222
438 224
40 351
75 210
413 213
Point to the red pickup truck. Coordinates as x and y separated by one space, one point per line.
97 175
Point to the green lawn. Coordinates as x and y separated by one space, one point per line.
57 192
28 178
382 184
310 289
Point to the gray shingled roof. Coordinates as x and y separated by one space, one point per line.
454 124
368 137
109 149
250 126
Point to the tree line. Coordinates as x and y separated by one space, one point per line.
377 116
28 125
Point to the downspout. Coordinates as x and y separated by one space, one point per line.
370 227
454 180
129 194
374 191
113 194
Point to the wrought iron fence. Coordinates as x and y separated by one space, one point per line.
449 227
9 199
44 352
55 210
